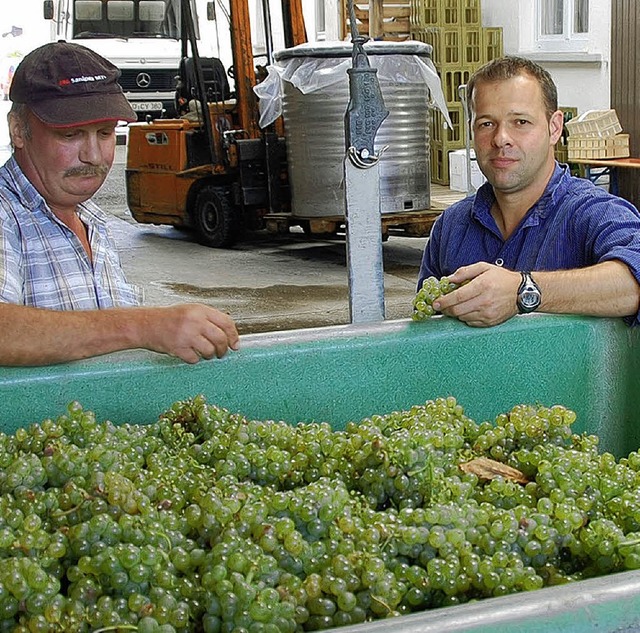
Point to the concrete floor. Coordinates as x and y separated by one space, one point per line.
266 282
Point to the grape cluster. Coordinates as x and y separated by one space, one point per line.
431 289
207 521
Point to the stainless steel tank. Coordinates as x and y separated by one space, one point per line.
314 125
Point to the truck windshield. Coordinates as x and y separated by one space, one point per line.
127 18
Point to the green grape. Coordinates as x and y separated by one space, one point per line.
431 289
205 520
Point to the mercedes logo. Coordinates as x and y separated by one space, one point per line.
143 80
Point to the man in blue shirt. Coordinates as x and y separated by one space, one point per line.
533 237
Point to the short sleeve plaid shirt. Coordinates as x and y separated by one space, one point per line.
43 263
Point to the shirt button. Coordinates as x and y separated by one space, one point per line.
499 262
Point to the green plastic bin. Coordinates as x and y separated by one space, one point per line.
344 373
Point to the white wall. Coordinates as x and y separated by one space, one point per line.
583 79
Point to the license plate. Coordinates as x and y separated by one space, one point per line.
144 106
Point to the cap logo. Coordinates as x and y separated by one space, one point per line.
83 79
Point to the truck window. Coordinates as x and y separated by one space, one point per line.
126 18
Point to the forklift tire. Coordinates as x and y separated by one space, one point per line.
214 218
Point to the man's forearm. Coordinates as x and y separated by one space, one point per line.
33 336
608 289
189 331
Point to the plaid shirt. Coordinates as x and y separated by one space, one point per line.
42 262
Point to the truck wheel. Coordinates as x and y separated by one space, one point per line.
215 218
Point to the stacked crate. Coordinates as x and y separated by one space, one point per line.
562 149
460 45
393 21
596 135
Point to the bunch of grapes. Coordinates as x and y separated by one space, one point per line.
431 289
207 521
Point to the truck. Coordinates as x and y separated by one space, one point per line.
140 37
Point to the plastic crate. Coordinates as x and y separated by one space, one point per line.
446 44
595 147
472 46
439 164
440 133
492 43
438 13
439 152
595 123
451 80
471 13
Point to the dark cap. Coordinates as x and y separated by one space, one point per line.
67 84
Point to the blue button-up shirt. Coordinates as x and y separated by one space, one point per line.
573 225
42 262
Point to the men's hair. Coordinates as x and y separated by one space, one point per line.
20 112
509 67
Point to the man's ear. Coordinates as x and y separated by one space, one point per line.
556 125
16 131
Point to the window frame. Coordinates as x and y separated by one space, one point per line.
568 41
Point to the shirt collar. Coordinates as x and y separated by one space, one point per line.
31 199
556 187
21 186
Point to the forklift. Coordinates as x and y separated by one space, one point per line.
219 173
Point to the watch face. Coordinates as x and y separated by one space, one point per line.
529 295
529 299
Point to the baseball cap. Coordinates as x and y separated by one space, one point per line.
66 84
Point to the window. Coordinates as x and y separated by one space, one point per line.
321 22
563 25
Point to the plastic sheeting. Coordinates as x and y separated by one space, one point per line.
311 67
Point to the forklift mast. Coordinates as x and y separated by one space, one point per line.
243 63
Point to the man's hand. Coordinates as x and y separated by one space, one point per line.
487 296
190 331
35 336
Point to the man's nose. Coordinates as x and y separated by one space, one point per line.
501 136
90 151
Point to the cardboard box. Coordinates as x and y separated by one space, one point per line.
458 171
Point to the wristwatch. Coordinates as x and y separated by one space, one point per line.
529 295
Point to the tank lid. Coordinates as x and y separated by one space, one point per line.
344 49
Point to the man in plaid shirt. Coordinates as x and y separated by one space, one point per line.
63 294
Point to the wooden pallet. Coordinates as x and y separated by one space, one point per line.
409 224
379 19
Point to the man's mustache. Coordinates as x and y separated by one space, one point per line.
87 170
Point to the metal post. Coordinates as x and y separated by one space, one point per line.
365 113
462 93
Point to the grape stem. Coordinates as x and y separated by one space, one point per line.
61 513
376 598
117 627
